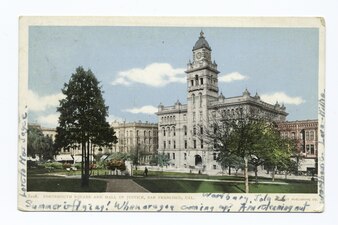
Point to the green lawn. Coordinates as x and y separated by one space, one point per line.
186 186
183 186
64 185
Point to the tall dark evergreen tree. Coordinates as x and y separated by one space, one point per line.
83 118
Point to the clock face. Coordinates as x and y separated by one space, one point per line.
198 55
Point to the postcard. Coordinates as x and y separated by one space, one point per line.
171 114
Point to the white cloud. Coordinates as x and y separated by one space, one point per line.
155 74
41 103
50 120
147 109
281 97
230 77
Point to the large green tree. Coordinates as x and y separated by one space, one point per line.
83 118
39 144
253 138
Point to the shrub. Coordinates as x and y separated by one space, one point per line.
116 164
54 165
66 165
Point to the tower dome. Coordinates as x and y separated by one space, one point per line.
201 43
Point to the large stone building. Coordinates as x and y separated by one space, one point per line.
305 132
138 138
178 124
135 137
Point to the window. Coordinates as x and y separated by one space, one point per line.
293 135
194 143
307 149
185 144
193 99
173 155
312 134
174 144
200 98
201 81
194 130
144 133
164 145
215 155
163 131
169 143
201 143
137 133
192 82
307 135
168 155
185 156
174 131
196 80
214 166
201 130
312 149
184 116
168 130
185 130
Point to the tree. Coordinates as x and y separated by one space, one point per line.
250 136
39 145
280 152
83 118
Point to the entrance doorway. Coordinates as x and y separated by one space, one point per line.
198 160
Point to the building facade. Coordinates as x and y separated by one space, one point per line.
179 124
305 132
136 137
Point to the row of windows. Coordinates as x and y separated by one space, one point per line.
185 156
196 81
138 133
230 111
172 130
309 135
185 144
168 119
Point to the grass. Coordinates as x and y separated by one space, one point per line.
186 186
64 185
183 186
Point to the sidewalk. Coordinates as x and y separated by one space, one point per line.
123 185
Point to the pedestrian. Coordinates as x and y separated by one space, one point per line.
145 171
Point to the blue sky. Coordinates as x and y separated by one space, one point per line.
139 67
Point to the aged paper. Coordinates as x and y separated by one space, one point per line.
143 62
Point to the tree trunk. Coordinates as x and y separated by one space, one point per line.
229 170
273 173
83 155
256 176
246 175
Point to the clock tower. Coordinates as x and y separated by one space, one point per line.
202 75
202 89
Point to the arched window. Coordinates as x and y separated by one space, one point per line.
196 80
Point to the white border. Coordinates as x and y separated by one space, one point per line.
8 46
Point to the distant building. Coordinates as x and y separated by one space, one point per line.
179 124
136 137
306 134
